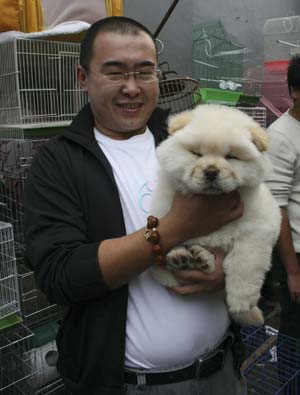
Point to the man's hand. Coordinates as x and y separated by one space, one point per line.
293 281
200 281
199 215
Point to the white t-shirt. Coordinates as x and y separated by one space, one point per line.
284 179
164 330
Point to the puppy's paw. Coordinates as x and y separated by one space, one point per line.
178 258
202 258
252 317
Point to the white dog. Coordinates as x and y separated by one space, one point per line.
215 149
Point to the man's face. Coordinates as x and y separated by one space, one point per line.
121 110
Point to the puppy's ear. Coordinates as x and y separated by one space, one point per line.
178 121
259 138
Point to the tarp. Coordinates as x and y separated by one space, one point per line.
59 11
39 15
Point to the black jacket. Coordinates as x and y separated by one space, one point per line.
71 204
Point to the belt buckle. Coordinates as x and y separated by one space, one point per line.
214 361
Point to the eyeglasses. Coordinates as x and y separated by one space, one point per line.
118 78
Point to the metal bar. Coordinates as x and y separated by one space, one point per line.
165 18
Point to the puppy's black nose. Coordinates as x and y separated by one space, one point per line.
211 173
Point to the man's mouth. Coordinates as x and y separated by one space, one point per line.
130 106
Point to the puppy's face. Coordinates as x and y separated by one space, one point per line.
214 149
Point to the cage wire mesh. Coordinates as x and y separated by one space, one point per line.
273 362
36 310
217 59
178 94
39 88
16 369
15 159
259 114
56 387
44 359
10 313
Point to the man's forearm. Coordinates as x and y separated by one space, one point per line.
123 258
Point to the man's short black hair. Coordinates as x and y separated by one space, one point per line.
114 24
293 73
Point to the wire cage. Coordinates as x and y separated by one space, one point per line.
39 88
44 358
217 59
55 387
43 351
259 114
178 94
10 313
15 160
16 369
36 310
273 362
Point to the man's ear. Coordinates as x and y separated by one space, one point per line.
179 121
82 77
259 138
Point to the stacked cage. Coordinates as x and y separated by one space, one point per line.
217 59
39 97
17 368
39 91
259 114
273 362
281 42
10 312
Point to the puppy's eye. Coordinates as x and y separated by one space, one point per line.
196 153
231 157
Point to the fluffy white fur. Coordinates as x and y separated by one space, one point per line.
211 150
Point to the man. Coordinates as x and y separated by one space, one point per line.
86 212
284 182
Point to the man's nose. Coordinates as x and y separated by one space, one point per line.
131 85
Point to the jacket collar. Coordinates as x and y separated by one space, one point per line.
81 129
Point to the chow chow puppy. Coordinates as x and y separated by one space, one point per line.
215 149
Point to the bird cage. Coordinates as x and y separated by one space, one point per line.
40 93
15 160
56 387
217 60
44 358
17 369
9 291
273 362
281 41
178 94
36 310
259 114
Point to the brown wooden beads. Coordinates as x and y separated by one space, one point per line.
152 235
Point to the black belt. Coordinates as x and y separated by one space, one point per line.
202 367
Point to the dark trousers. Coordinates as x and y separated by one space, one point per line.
288 352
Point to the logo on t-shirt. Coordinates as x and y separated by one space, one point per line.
145 194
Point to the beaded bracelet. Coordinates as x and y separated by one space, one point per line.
152 235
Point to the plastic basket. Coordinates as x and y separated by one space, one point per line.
211 95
